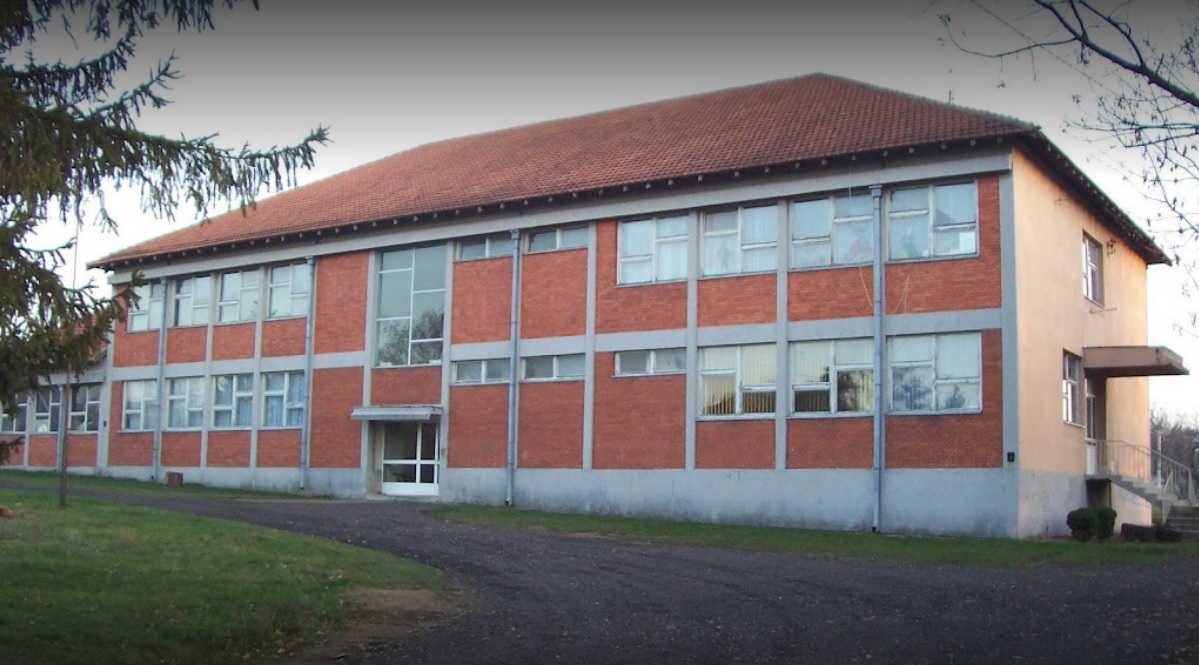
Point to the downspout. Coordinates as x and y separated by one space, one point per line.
309 341
880 422
160 380
513 368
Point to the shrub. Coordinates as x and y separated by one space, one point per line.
1138 533
1105 522
1168 533
1083 523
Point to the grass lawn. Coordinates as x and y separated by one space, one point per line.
839 544
49 479
108 583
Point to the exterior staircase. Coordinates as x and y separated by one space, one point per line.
1156 478
1185 518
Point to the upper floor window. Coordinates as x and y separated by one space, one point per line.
570 366
1072 402
485 247
836 230
283 399
239 296
233 400
141 405
193 295
289 288
85 408
935 372
15 422
547 240
652 250
1092 269
737 380
740 241
835 376
411 306
47 405
933 220
492 370
185 403
145 311
654 361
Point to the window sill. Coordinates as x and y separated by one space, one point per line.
733 418
728 275
289 317
218 324
468 384
230 429
472 259
656 282
1074 425
943 412
648 375
529 252
932 259
274 428
835 266
182 430
558 379
834 416
422 365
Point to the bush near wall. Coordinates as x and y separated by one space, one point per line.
1087 523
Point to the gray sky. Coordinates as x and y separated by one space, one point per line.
389 76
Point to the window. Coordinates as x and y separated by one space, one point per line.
544 368
486 247
740 241
411 306
548 240
47 405
17 421
495 370
652 250
141 405
288 290
738 380
185 403
1092 269
1071 384
85 408
935 372
937 220
283 399
146 312
656 361
239 296
233 400
835 376
837 230
192 298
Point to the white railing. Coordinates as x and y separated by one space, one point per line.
1171 478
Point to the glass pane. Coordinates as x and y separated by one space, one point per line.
272 415
717 358
542 241
93 416
669 227
245 411
469 371
399 441
573 237
295 417
812 401
202 293
720 254
500 245
425 352
632 362
245 383
475 248
758 402
230 286
301 278
279 302
854 351
636 272
636 238
956 241
274 381
759 259
395 294
759 224
958 396
670 360
249 306
399 473
226 313
497 370
222 418
396 259
759 367
909 199
155 313
855 390
540 367
428 317
222 391
809 219
249 279
295 387
912 348
572 365
958 356
853 242
852 206
428 473
719 394
810 362
909 237
177 413
955 204
392 342
810 254
912 388
672 260
280 275
720 222
428 441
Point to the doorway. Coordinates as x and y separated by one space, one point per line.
410 458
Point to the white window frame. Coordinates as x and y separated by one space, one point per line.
1072 383
831 239
560 373
46 421
562 238
494 246
654 363
194 402
240 405
938 379
659 240
744 246
145 311
830 386
933 228
87 420
291 284
413 293
741 389
191 301
245 301
140 401
18 422
490 370
292 411
1092 269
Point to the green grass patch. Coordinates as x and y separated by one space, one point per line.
50 479
110 583
836 544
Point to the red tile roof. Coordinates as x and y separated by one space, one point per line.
780 122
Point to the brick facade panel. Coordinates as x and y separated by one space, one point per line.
482 301
478 436
336 439
834 293
734 444
229 449
233 342
341 287
747 299
640 422
134 349
406 385
186 345
830 443
284 337
554 294
551 425
131 449
43 450
81 449
180 449
279 448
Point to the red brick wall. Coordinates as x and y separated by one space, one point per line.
834 293
734 444
279 448
551 425
43 450
554 294
180 449
478 427
406 385
955 441
131 449
284 337
640 422
228 449
186 345
336 439
81 449
230 342
341 302
632 308
482 300
937 286
727 301
16 456
133 349
830 443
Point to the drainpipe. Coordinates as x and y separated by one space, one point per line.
513 368
160 381
880 346
309 341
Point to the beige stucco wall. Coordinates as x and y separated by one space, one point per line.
1053 315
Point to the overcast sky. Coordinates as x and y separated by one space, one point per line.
386 77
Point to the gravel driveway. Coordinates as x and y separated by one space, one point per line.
557 599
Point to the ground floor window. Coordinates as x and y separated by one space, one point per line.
738 380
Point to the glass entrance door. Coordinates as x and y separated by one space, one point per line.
410 459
